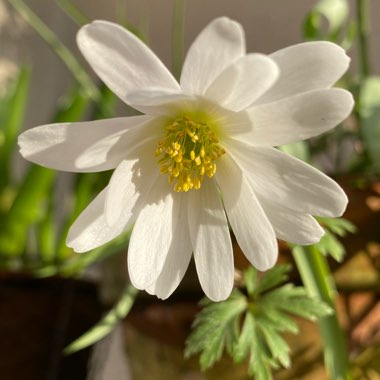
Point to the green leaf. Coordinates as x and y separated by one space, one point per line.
330 245
251 327
244 341
277 345
250 279
369 111
277 318
259 363
34 193
106 324
334 11
311 26
273 278
295 300
106 108
72 106
338 226
47 235
211 326
27 208
12 110
232 335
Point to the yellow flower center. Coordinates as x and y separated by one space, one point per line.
188 152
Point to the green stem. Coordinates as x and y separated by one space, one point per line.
108 323
60 49
362 16
73 12
318 280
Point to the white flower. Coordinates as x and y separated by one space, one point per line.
202 154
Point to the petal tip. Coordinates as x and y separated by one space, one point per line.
217 297
343 206
74 246
267 261
230 28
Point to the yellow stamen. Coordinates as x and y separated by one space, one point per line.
176 171
176 146
187 152
197 183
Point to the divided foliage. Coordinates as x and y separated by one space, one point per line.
330 244
249 324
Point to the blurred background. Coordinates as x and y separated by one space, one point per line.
268 25
49 296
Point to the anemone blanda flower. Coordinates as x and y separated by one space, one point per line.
202 155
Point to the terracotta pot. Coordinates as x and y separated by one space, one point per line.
38 318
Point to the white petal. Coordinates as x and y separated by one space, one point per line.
243 82
299 117
130 181
123 62
160 103
211 241
152 235
228 123
83 147
292 226
305 67
251 227
215 48
178 258
290 181
90 230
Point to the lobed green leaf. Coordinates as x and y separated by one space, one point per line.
211 326
330 245
251 327
277 345
339 226
276 276
244 341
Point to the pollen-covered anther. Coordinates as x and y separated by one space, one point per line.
187 153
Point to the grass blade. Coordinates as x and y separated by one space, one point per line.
11 123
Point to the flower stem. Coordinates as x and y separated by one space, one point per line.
317 278
108 323
73 12
362 18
